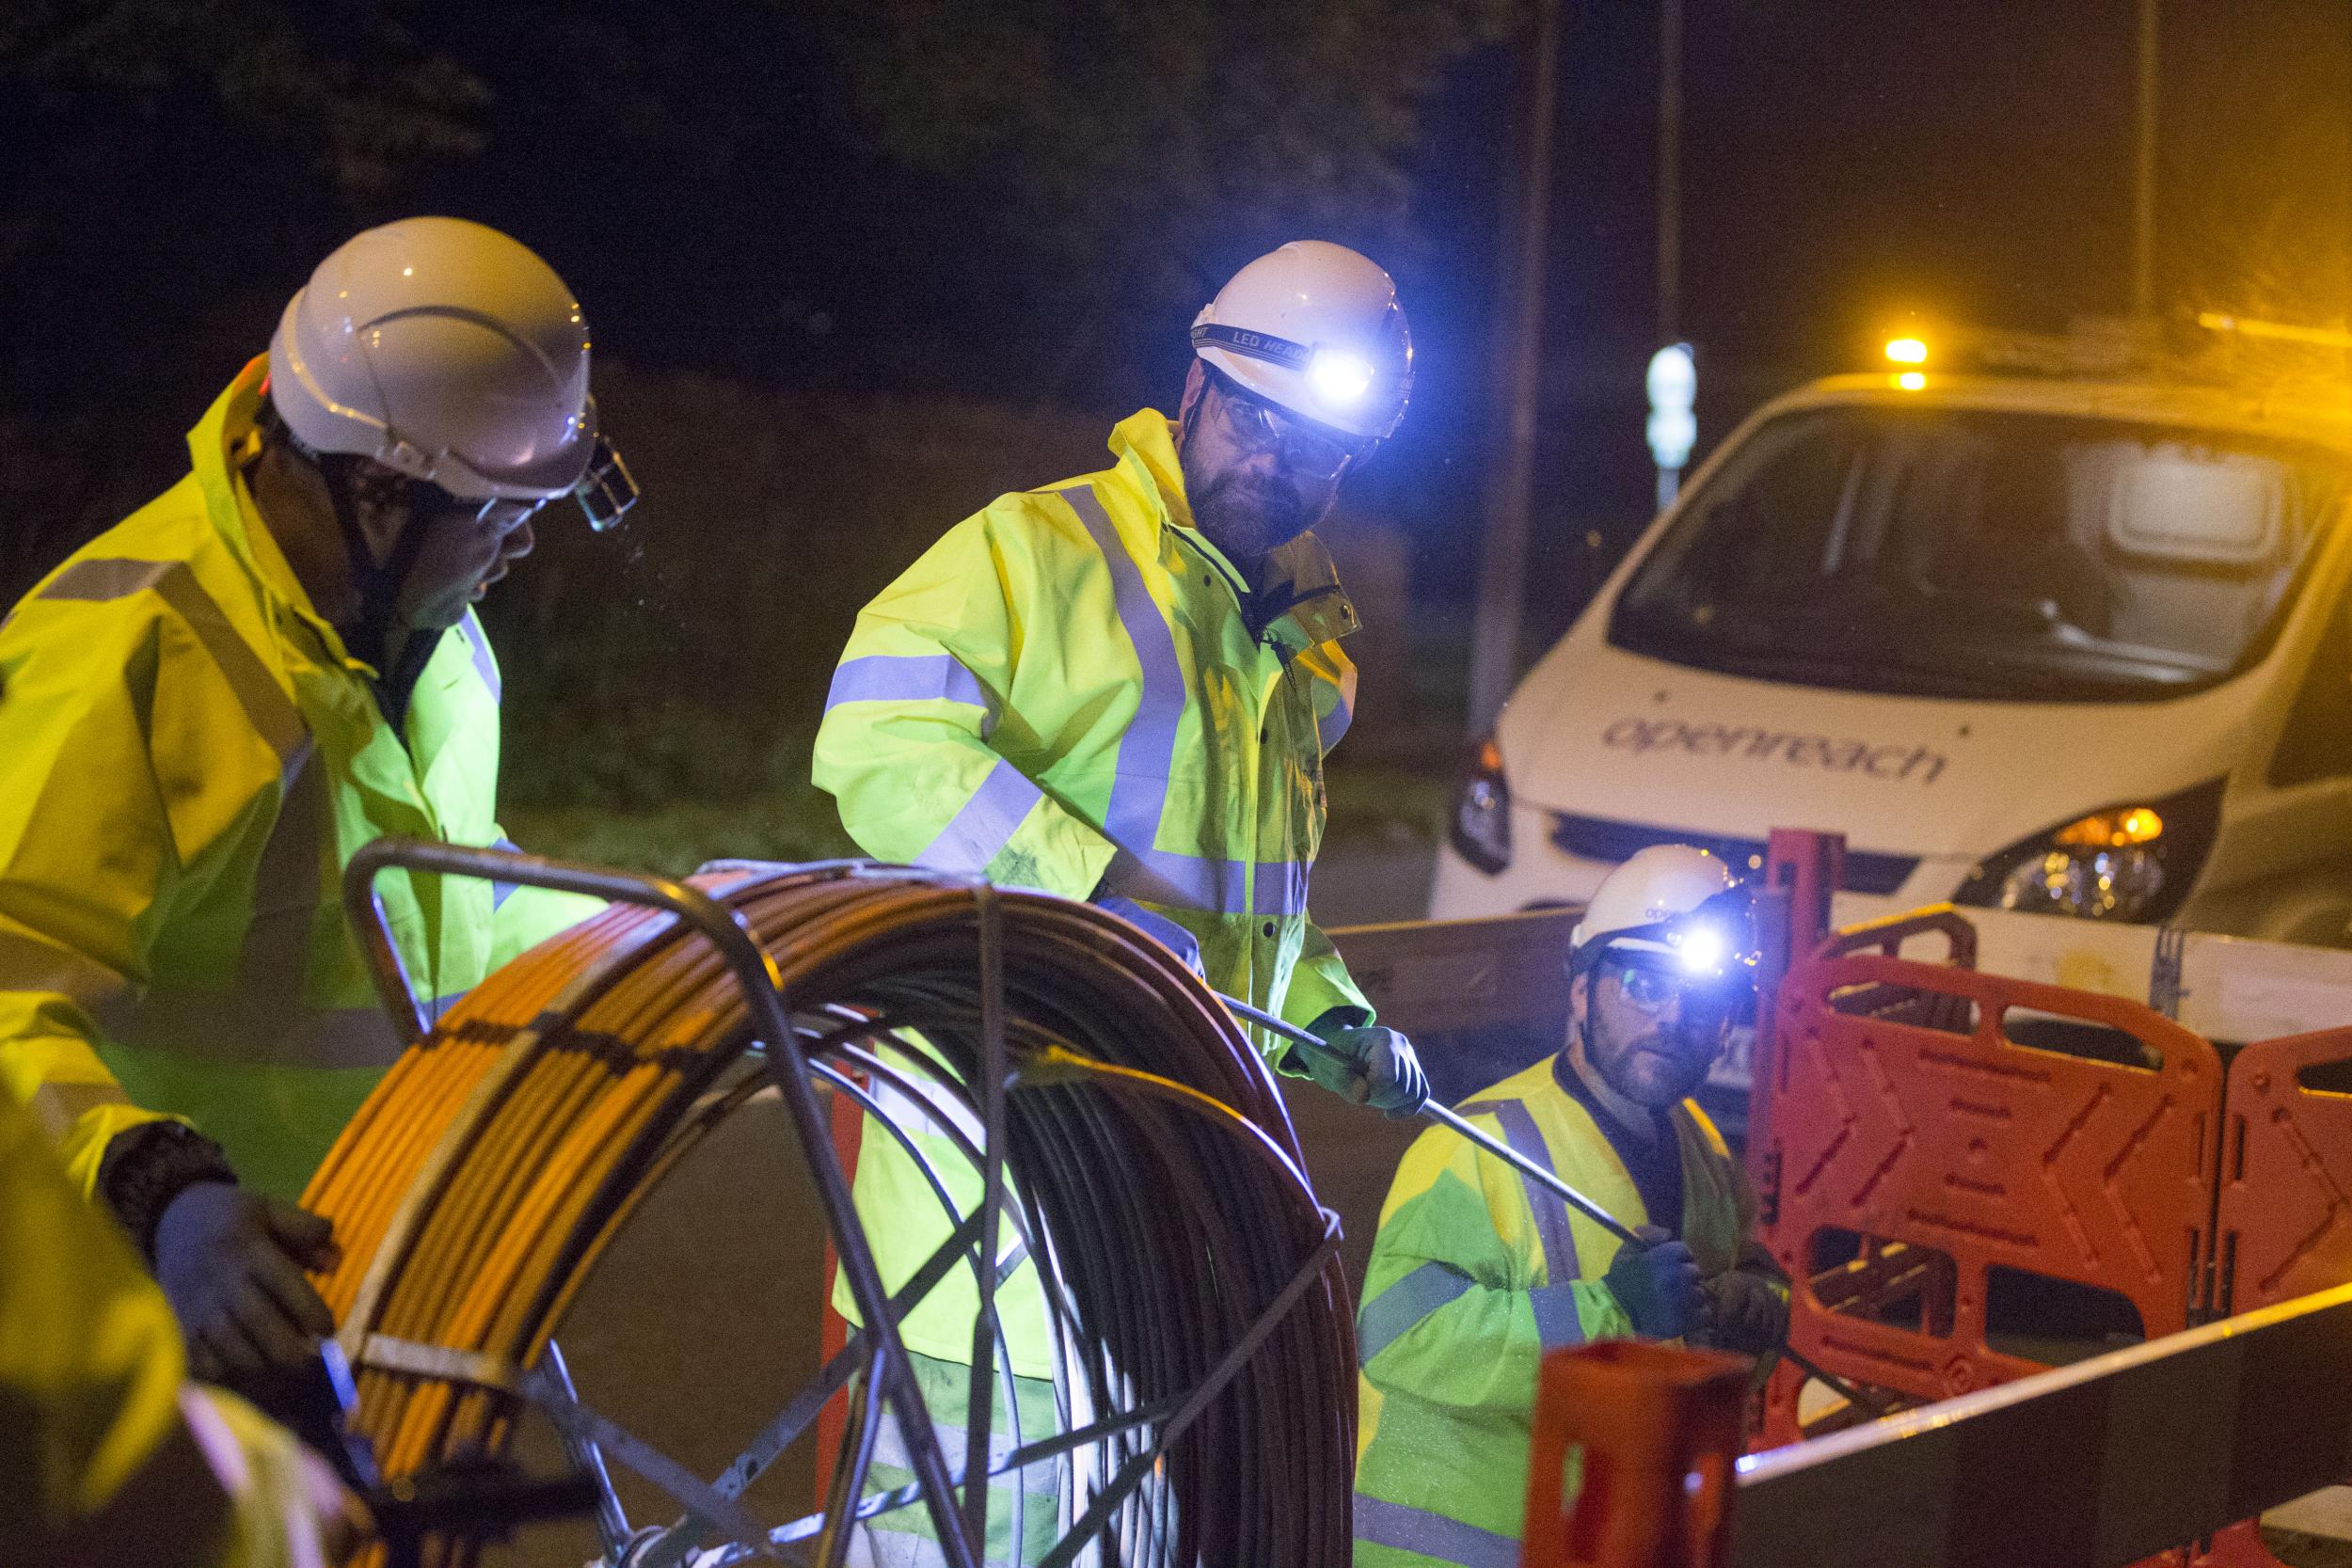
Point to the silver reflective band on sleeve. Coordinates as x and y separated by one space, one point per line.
270 711
908 678
1183 881
98 580
1405 1302
1551 1216
1330 726
1381 1523
484 666
30 964
57 1106
1557 1321
890 1447
1216 886
985 825
502 892
1281 888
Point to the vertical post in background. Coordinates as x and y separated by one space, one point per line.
2144 173
1669 170
1672 382
1519 361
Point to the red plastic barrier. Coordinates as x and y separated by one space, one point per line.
1655 1430
2284 1223
848 1121
2285 1214
1903 1112
1996 1155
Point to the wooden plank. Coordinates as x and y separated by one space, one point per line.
1447 976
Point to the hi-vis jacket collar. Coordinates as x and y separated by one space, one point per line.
1299 601
219 446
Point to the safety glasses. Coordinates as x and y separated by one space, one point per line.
508 513
426 498
605 492
1307 449
1651 986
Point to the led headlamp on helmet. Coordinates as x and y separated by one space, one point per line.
1314 328
1677 907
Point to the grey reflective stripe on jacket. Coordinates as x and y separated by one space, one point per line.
272 712
1380 1523
1147 752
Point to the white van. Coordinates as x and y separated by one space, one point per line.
2058 646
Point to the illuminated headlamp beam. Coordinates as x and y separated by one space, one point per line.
1701 950
1338 376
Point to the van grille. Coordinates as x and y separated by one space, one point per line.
1598 838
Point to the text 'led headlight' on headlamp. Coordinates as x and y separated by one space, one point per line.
1338 377
2132 862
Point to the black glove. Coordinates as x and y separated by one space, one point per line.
1656 1280
1367 1064
1740 1311
230 1263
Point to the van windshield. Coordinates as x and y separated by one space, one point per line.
1953 552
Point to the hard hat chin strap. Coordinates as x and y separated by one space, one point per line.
378 583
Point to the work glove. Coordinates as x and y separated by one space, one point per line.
1740 1311
1367 1064
230 1263
1157 927
1656 1280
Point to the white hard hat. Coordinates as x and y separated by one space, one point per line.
1315 327
452 353
1640 907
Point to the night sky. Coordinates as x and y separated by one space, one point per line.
692 170
1968 160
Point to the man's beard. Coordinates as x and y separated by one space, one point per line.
1247 516
1675 1067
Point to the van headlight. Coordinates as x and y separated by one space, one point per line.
1481 829
2133 862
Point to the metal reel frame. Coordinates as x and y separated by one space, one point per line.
1117 1451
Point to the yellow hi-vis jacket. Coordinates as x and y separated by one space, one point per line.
1475 1273
108 1455
188 758
1065 692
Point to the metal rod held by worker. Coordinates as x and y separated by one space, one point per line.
1459 1125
